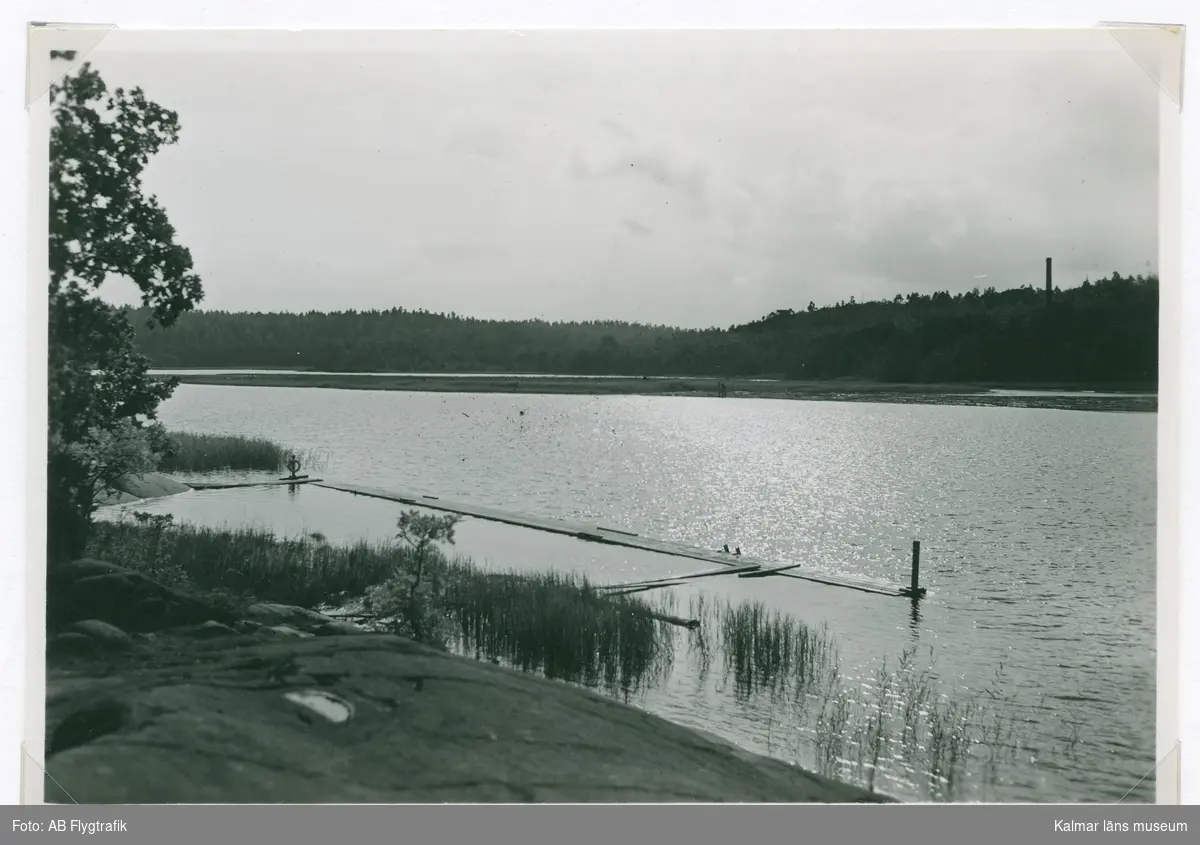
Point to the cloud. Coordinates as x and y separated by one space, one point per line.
693 187
655 169
635 228
455 250
485 142
617 128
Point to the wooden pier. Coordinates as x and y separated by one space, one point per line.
740 565
227 485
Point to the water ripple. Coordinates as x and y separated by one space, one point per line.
1037 526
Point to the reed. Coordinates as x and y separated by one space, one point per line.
763 651
559 626
303 571
549 623
894 724
198 453
891 724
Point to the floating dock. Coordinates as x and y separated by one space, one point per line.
226 485
741 565
676 580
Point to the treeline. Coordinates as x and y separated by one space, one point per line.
1100 332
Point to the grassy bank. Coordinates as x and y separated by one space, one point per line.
891 726
305 571
1143 396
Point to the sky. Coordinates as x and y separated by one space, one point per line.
672 179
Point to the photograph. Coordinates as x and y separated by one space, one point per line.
630 416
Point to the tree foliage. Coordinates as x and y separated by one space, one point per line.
1100 332
410 602
423 532
102 402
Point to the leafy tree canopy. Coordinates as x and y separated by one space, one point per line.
102 402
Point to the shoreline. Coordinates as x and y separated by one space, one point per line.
669 714
966 393
242 689
139 488
250 684
191 647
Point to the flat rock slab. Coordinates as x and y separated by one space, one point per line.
132 488
376 718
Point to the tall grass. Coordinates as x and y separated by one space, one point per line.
303 571
189 452
559 626
556 625
769 651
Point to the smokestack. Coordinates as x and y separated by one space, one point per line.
1049 284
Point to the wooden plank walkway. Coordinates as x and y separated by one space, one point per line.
675 580
226 485
764 571
742 564
642 588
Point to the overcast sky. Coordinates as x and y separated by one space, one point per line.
661 180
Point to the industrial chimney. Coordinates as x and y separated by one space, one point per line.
1049 285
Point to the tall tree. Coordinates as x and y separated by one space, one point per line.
102 401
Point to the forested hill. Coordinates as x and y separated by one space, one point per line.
1103 332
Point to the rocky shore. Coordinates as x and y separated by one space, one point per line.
156 695
132 488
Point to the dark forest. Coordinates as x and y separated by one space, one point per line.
1101 332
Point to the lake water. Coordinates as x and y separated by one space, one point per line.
243 372
1037 531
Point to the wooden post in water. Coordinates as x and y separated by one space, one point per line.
1049 285
915 589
